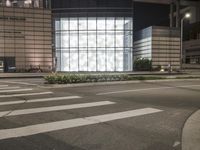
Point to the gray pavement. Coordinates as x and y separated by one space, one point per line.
131 116
191 133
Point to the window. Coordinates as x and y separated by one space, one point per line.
94 44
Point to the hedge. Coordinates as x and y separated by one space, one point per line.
80 78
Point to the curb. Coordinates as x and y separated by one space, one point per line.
20 77
191 133
112 83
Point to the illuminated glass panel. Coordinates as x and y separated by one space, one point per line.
94 44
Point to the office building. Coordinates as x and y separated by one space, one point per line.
93 35
161 45
25 35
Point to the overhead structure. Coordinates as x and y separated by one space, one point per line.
155 1
177 5
167 2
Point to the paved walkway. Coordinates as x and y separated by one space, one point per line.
22 75
191 133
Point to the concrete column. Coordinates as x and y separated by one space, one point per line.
171 15
177 13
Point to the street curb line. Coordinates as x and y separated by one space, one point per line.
191 132
112 83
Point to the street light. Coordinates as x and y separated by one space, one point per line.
187 16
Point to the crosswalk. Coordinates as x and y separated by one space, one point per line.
12 96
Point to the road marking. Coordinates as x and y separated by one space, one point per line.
66 124
147 89
7 88
53 108
22 83
27 94
40 100
136 90
18 90
3 85
176 143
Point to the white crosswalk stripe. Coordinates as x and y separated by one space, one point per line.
57 125
54 108
8 88
3 85
66 124
40 100
17 90
26 94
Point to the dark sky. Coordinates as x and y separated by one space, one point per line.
147 14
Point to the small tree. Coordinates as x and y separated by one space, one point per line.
142 64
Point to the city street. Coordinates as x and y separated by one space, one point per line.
134 116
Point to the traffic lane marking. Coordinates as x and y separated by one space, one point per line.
26 94
53 108
40 100
146 89
66 124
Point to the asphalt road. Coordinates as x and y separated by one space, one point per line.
135 116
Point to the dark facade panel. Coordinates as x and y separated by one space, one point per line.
91 3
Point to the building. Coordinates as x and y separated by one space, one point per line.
25 35
191 46
191 40
93 35
161 45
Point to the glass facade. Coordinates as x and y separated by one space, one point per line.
93 44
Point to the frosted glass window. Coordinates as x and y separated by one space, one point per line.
65 40
65 62
64 24
119 39
128 24
82 61
101 39
58 44
73 24
119 24
73 61
92 39
57 25
91 61
110 24
73 39
92 24
110 61
101 24
83 24
94 44
83 39
101 59
58 61
110 39
119 61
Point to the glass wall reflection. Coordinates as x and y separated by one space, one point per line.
94 44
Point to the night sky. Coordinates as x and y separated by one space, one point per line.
147 14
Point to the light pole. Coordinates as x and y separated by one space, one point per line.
186 16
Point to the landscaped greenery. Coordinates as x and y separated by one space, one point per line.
81 78
142 64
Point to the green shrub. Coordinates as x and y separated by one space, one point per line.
142 64
77 78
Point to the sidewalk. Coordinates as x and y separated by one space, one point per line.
191 133
22 75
